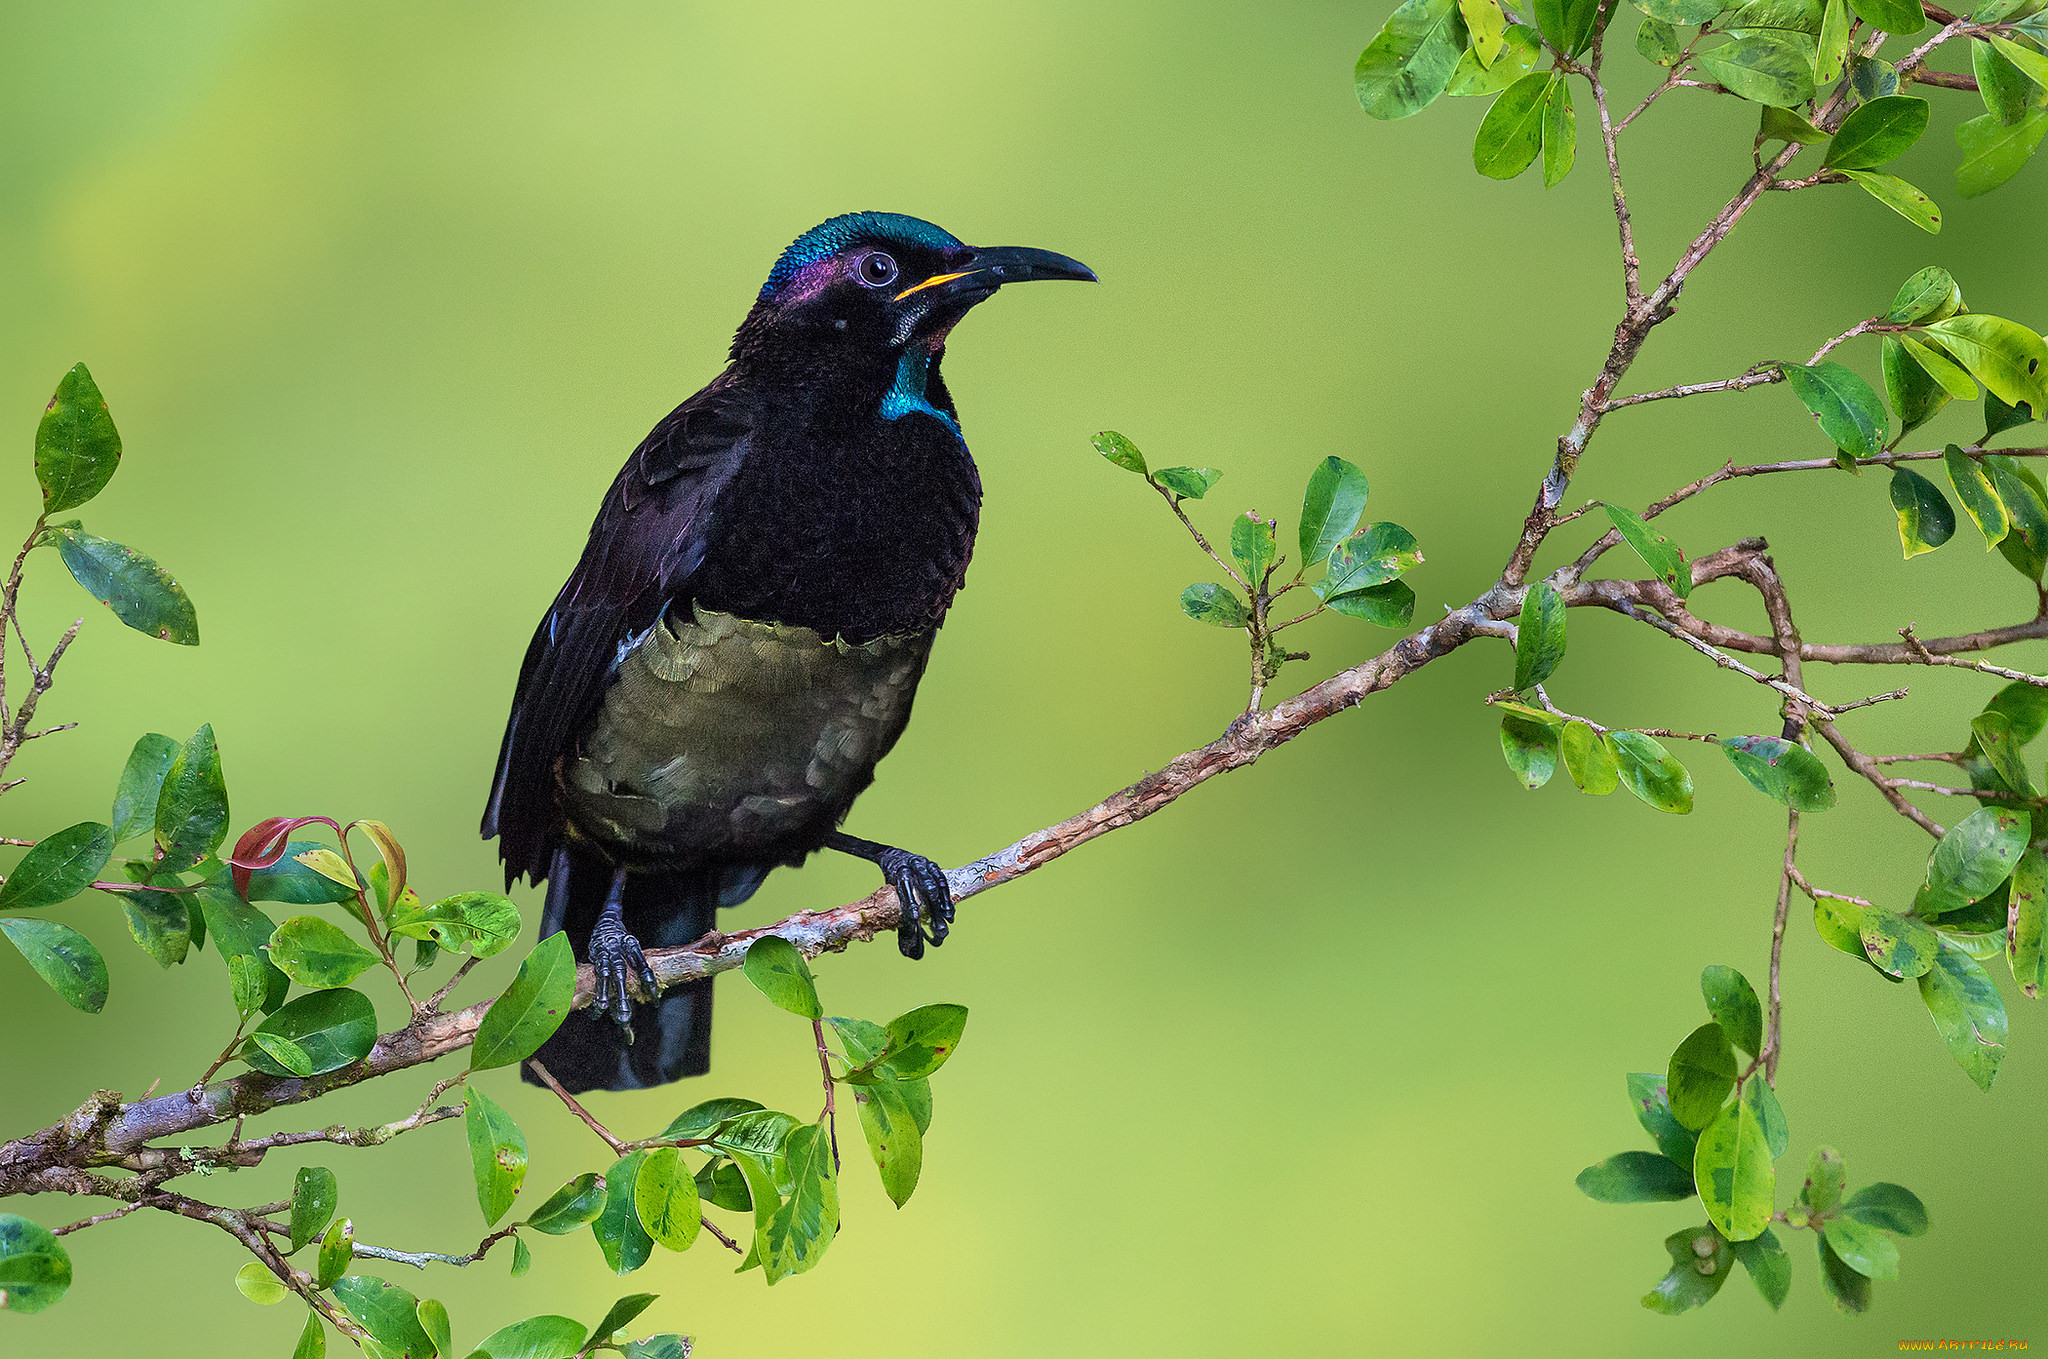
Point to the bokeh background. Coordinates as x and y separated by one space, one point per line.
381 294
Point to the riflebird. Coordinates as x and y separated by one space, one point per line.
741 641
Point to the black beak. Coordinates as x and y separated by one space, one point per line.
992 266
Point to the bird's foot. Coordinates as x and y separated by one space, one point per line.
927 900
616 958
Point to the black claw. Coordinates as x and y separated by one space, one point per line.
615 956
927 901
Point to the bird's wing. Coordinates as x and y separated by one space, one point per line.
647 539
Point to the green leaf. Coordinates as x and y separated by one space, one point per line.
1872 78
1892 1207
35 1269
1540 635
699 1119
622 1314
1251 545
1782 770
1732 1168
1914 393
312 1340
802 1226
548 1337
1649 771
1560 132
1951 379
295 1060
1511 133
720 1184
337 1249
333 1027
569 1207
62 957
1902 17
1850 1290
77 446
1646 1094
314 1196
2031 63
1849 412
1120 451
1764 67
1732 1001
1659 553
142 778
893 1136
1993 737
317 955
2026 546
1700 1261
1189 483
1528 713
1590 759
659 1347
159 922
1701 1075
259 1285
1484 25
1862 1248
142 594
1410 63
1929 295
2005 89
60 866
1389 606
625 1243
921 1040
1330 508
1376 554
760 1134
1926 519
2029 930
1968 1013
775 967
1994 152
1877 133
389 1313
1520 51
1770 1115
1530 749
1636 1177
522 1258
434 1321
242 934
1786 125
497 1155
1901 197
192 810
1568 24
1825 1177
1215 604
2001 354
1899 946
294 883
1685 12
1980 499
531 1008
1659 42
1978 853
1770 1268
1830 51
481 923
665 1197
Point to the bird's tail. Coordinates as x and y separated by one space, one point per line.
672 1037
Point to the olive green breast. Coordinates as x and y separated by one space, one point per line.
725 739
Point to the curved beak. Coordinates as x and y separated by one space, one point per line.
992 266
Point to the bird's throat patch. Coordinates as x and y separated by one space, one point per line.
907 394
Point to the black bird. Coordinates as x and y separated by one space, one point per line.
741 641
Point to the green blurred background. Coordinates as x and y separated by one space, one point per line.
381 295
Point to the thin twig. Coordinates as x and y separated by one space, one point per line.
617 1145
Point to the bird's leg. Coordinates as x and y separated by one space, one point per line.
614 954
920 885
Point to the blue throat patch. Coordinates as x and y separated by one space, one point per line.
828 238
913 370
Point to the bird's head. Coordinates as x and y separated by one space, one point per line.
881 284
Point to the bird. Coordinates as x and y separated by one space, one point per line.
741 639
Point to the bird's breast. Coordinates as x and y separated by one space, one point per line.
721 738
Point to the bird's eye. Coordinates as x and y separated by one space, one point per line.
877 270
